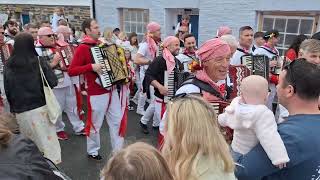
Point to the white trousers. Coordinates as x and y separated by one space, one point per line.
99 105
153 111
3 95
67 99
142 97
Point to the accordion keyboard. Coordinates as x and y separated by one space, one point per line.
169 84
99 58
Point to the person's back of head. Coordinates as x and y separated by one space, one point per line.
192 132
297 42
254 90
304 78
8 126
138 161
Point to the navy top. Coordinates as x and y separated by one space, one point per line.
301 136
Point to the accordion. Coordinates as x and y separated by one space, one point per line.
173 81
66 53
236 74
257 64
5 53
112 70
219 107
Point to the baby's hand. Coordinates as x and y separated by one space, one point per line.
282 165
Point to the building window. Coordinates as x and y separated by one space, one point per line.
289 27
134 20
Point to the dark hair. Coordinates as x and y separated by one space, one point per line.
116 30
187 36
307 85
32 25
295 45
243 28
45 22
258 34
268 34
316 36
86 24
131 35
12 23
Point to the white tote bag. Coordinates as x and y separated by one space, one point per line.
54 110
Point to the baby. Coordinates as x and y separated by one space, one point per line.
253 122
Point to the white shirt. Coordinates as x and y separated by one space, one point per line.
253 124
262 51
144 51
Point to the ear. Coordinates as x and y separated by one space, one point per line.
289 91
87 30
300 54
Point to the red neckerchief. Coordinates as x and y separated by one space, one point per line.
246 51
273 49
189 53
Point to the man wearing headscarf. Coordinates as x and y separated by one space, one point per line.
223 30
67 92
148 50
167 63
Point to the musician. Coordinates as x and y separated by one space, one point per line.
269 49
101 101
223 30
245 42
258 40
67 92
156 72
146 53
214 56
189 52
11 29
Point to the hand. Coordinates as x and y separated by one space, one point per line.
282 165
163 90
273 63
97 68
56 59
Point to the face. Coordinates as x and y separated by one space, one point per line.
174 47
94 30
312 57
66 36
185 21
284 91
13 29
47 40
274 41
190 43
217 69
246 38
1 36
34 33
259 41
133 39
182 31
157 34
116 33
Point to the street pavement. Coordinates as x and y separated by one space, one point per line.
75 162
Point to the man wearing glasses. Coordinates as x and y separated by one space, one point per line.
183 30
298 92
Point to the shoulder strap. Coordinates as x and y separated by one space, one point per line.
203 86
241 50
269 51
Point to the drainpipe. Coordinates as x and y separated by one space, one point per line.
93 6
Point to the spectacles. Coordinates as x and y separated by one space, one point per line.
288 66
50 35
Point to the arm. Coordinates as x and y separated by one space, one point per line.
267 133
141 60
79 64
49 74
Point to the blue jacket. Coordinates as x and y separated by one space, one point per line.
301 136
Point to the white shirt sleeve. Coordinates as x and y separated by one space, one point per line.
236 58
267 133
143 49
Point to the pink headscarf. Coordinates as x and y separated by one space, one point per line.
209 51
167 55
60 30
152 27
223 30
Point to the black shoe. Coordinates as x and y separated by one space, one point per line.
144 128
155 128
95 157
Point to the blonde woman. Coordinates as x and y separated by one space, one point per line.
193 147
138 161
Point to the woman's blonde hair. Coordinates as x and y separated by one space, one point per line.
192 132
8 125
138 161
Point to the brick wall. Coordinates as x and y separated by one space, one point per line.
38 13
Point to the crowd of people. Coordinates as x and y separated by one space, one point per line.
268 130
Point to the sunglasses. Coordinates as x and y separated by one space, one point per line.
288 67
184 95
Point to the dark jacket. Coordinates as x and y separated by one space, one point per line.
24 89
21 160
